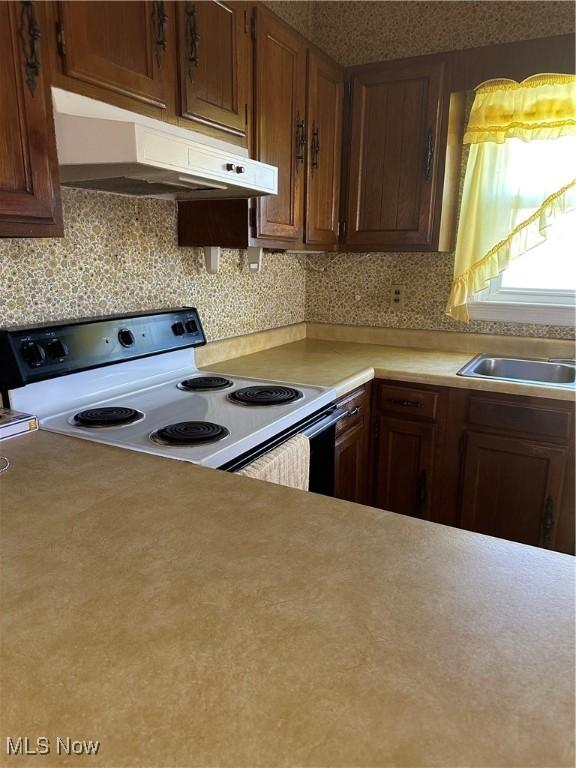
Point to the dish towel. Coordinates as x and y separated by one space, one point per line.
288 464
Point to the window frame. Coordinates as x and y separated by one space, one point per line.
524 305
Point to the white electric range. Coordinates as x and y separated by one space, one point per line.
131 381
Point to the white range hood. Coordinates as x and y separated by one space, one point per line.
102 147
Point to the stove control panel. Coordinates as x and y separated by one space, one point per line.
38 352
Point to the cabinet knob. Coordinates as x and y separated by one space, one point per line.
354 411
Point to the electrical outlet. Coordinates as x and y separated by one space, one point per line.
397 297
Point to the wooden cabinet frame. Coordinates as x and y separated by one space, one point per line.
29 190
215 68
151 91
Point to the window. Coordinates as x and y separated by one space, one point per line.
516 247
538 286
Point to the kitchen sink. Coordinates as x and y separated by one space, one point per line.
556 373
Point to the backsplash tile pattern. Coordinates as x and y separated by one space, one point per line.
354 289
120 254
360 32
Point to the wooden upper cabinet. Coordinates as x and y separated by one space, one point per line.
280 126
29 191
398 129
123 53
324 124
214 57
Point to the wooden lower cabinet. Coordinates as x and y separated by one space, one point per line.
512 488
352 464
496 464
407 432
404 465
516 467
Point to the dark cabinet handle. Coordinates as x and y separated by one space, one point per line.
160 21
192 38
29 33
547 521
421 493
405 403
300 140
429 154
315 148
353 411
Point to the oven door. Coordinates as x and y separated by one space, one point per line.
320 429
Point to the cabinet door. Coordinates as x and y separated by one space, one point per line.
352 454
324 123
404 466
214 56
280 129
121 52
29 191
396 155
512 488
351 466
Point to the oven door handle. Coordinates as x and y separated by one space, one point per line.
330 420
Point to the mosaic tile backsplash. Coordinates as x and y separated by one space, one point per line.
355 289
120 254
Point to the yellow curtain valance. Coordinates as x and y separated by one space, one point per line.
541 107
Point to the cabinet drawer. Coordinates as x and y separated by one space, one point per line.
542 419
357 404
407 401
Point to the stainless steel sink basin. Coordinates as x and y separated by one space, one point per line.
556 373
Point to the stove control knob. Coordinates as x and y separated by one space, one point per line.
33 353
56 349
125 337
192 326
178 329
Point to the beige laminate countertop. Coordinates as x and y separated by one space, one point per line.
344 365
187 617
